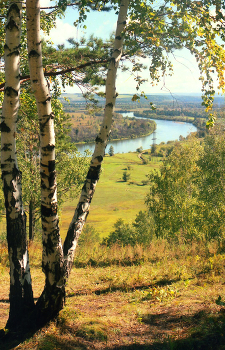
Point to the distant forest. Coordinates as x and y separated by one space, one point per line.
169 107
85 127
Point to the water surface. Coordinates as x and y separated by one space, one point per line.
166 130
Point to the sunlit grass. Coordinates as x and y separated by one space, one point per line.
114 198
170 288
112 293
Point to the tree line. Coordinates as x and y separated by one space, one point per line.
122 128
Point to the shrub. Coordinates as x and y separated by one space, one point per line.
89 237
140 232
126 176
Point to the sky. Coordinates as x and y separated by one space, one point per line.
184 80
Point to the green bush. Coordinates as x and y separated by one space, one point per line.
89 237
140 232
126 176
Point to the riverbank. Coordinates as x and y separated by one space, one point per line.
121 139
85 127
165 131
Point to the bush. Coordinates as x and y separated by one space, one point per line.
122 235
89 237
140 232
126 176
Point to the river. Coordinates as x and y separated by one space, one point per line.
165 131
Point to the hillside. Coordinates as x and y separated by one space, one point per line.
86 126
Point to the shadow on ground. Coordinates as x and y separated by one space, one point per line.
205 332
199 331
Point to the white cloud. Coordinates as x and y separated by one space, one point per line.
62 32
45 3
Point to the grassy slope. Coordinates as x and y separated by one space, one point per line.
164 299
115 198
166 303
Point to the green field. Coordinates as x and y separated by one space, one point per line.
115 198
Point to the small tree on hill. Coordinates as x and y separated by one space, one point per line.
111 151
126 176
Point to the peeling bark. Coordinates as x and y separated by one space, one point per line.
52 257
21 295
88 189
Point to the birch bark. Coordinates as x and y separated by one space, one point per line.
21 295
52 257
88 190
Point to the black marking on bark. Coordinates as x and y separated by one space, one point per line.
13 7
98 139
35 81
42 125
43 165
117 50
124 22
4 127
52 193
9 91
11 25
16 173
33 53
106 127
48 212
113 60
94 172
6 47
10 159
110 104
49 248
15 52
44 220
52 179
43 175
45 102
51 166
118 37
48 148
43 186
100 158
5 172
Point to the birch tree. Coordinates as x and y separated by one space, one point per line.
57 260
21 295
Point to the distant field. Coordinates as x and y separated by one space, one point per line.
115 198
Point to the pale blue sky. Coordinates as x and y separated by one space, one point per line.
186 74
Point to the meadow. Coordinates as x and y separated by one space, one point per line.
115 198
167 295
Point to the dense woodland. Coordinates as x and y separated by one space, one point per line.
86 127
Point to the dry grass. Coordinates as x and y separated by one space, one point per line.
166 299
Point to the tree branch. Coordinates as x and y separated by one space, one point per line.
25 78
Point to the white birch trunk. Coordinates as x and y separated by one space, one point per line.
87 193
21 296
52 258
